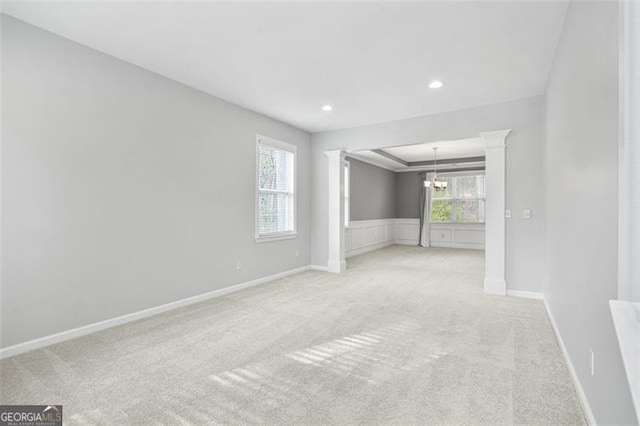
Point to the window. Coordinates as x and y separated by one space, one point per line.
347 192
461 202
275 178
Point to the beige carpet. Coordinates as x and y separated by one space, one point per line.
405 336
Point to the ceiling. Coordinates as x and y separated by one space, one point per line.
371 61
452 155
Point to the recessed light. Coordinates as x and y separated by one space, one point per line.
436 84
327 108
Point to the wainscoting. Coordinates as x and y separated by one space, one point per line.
408 231
362 236
458 235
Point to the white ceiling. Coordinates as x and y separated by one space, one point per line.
446 149
371 61
453 149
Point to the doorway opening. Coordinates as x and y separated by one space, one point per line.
392 198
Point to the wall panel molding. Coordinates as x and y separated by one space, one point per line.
362 236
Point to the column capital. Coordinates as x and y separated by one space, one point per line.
336 155
495 139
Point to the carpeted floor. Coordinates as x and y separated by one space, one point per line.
405 336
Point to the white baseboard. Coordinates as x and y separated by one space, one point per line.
367 249
574 376
406 242
457 246
495 287
525 294
337 267
319 268
92 328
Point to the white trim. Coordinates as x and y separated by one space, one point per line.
458 173
464 246
626 320
367 249
375 234
413 236
495 287
293 149
373 222
480 165
335 211
319 268
629 152
404 169
495 139
347 193
363 236
495 201
276 237
337 267
525 294
407 220
456 235
576 382
380 164
275 143
102 325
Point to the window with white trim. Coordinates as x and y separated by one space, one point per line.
275 193
463 201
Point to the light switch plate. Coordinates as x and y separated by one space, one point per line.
507 214
526 214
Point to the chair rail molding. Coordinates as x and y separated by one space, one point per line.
495 226
336 259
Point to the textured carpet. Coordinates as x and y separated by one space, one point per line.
405 336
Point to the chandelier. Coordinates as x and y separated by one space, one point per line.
437 183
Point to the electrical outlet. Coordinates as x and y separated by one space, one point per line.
297 253
526 213
238 265
593 361
507 214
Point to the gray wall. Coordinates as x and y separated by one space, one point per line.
372 191
408 187
525 238
581 162
123 190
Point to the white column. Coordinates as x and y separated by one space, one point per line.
629 154
336 262
495 232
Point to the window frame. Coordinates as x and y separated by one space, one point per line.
278 235
454 199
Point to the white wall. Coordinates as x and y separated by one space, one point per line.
123 190
525 238
581 166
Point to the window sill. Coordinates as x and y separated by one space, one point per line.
276 237
457 223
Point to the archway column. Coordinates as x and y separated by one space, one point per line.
336 259
495 225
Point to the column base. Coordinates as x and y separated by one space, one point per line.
495 287
337 267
